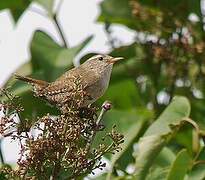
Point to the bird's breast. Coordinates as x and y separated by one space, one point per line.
99 86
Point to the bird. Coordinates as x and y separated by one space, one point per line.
93 76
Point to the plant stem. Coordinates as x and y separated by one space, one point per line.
105 151
199 162
60 31
56 22
93 133
1 155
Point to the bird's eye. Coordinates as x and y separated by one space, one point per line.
100 58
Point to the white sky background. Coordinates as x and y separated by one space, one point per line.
77 18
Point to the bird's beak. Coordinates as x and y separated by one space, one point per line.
114 60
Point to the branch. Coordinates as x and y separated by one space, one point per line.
58 26
199 162
105 107
1 155
60 31
56 22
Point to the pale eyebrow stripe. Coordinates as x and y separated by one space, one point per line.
96 56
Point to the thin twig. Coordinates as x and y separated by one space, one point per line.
105 151
60 31
193 123
1 155
56 22
58 26
199 162
99 119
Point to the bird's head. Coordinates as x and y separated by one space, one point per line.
102 62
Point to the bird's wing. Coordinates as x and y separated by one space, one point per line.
67 82
58 87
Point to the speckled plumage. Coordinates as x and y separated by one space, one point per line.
93 76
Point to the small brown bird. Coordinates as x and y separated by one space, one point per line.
93 76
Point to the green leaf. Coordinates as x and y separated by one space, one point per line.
157 173
197 173
148 148
122 94
161 165
50 58
165 157
47 5
17 7
173 114
180 166
158 134
110 15
185 138
130 136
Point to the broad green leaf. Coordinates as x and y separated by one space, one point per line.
173 114
130 136
180 166
110 15
157 173
161 165
17 7
165 157
50 58
198 170
122 94
47 4
197 173
158 134
148 148
185 138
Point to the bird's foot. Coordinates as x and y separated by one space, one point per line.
88 112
